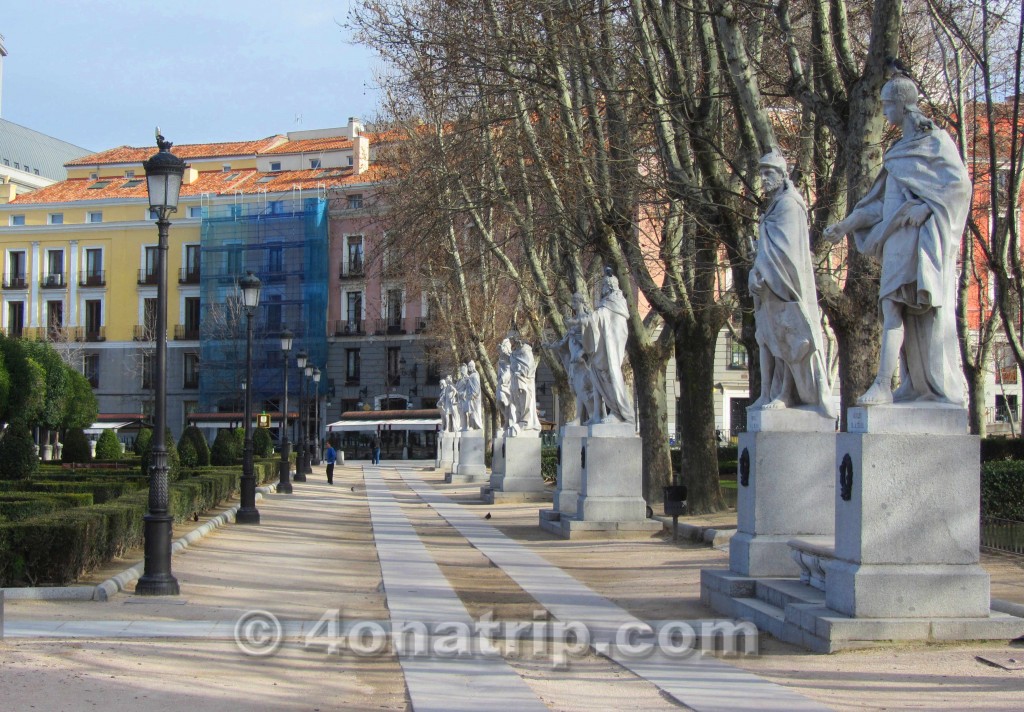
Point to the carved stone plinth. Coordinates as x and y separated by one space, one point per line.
470 465
567 487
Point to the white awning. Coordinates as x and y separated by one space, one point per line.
389 424
98 428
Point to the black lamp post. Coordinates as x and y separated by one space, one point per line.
307 466
316 415
284 485
300 361
164 171
247 512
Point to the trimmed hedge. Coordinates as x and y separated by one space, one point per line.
108 447
102 491
727 457
262 443
76 447
15 507
1002 489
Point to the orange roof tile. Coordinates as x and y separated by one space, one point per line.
131 154
313 145
247 182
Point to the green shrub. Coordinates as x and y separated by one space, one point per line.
173 462
108 447
16 506
549 464
262 443
192 448
227 448
142 441
1002 489
18 460
76 446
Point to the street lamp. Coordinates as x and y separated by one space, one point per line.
307 467
247 512
284 485
316 415
300 361
164 172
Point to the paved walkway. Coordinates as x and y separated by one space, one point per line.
391 590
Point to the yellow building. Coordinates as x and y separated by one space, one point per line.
80 256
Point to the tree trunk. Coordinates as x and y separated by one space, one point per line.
649 381
695 370
976 400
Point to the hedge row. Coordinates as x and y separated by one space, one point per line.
549 464
1002 489
56 548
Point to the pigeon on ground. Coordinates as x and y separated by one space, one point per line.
488 516
195 516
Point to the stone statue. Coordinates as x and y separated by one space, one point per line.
793 368
471 397
524 388
604 338
912 219
450 394
506 406
446 404
573 356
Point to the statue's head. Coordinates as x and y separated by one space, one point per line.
505 347
773 170
901 90
611 284
463 369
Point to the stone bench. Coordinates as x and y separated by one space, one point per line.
810 554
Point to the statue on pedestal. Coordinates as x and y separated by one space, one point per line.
604 337
506 406
470 397
524 388
781 282
573 356
912 219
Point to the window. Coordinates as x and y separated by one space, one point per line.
153 214
94 216
91 369
54 317
1006 409
350 160
275 259
195 211
394 361
275 165
191 375
15 318
15 270
735 352
93 319
352 366
149 272
226 168
17 220
192 312
354 255
394 309
190 272
273 307
99 185
94 175
355 201
55 219
129 174
132 183
314 163
149 310
54 268
1004 363
353 311
93 266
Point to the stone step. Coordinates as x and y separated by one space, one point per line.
781 592
764 615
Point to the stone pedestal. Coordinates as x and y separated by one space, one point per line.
497 456
609 504
520 479
785 488
907 512
470 465
567 487
447 451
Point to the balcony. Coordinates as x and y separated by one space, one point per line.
187 275
186 332
54 333
15 280
147 276
353 269
144 332
392 326
90 333
348 328
93 279
53 280
13 332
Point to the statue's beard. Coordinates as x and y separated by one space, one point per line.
772 184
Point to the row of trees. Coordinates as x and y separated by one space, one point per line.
545 139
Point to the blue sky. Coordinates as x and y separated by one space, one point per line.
104 73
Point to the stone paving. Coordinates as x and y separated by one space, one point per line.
363 595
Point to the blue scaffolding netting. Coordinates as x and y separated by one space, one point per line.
284 243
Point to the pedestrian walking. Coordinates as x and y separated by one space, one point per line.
331 456
375 449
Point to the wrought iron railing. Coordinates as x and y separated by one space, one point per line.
1002 535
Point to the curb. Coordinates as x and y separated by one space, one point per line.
116 584
1008 607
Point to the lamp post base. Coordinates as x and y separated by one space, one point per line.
247 515
157 579
284 483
